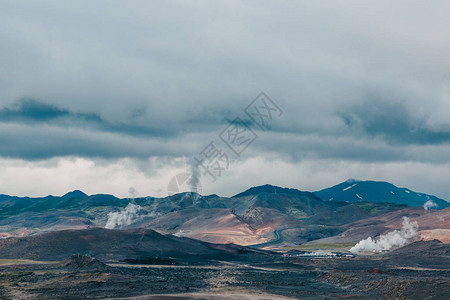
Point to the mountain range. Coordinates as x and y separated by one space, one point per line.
255 216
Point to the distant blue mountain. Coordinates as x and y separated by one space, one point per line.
378 191
75 194
271 189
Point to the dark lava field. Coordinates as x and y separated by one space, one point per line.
408 273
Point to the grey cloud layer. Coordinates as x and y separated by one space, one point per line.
36 130
394 122
34 112
140 79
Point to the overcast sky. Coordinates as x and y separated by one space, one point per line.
106 95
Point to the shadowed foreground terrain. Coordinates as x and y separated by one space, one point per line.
208 271
114 245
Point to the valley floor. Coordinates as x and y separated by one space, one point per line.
277 277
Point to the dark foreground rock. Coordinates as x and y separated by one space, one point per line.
275 276
84 262
424 254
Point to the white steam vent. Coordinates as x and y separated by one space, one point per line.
429 204
126 217
396 238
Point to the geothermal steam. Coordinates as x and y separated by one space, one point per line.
194 182
126 217
429 204
396 238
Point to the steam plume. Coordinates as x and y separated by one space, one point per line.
195 175
123 218
132 191
429 204
194 181
396 238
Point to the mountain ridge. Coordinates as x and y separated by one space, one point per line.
378 191
250 217
271 189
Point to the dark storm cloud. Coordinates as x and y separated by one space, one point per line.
32 129
394 122
30 111
42 142
127 81
42 130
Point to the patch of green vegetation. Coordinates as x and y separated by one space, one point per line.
50 273
368 206
346 245
18 274
376 207
299 214
98 210
99 214
7 229
6 262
